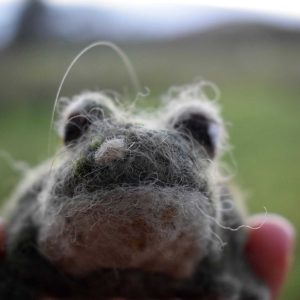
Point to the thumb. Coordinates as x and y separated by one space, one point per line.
270 249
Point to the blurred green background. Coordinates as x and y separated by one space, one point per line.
255 66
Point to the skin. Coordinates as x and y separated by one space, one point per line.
269 249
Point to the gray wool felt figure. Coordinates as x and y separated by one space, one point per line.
130 207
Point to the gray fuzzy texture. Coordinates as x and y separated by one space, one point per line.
130 206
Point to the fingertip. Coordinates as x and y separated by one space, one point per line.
270 249
278 223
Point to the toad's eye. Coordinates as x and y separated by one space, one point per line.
201 122
80 113
75 127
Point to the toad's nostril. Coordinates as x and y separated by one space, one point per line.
110 151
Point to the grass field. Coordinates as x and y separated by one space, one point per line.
264 126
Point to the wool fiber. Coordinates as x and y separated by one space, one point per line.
131 202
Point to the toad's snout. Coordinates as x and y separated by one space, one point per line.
110 151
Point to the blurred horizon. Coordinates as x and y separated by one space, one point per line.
66 19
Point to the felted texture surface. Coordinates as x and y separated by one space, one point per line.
130 210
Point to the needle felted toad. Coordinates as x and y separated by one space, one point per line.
130 209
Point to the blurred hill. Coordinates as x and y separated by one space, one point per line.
40 20
227 54
237 51
244 33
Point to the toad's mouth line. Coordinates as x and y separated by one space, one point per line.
138 201
113 195
115 184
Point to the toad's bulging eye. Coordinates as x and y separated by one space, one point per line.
82 112
75 127
203 130
202 125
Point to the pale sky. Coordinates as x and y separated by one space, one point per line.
288 8
171 18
